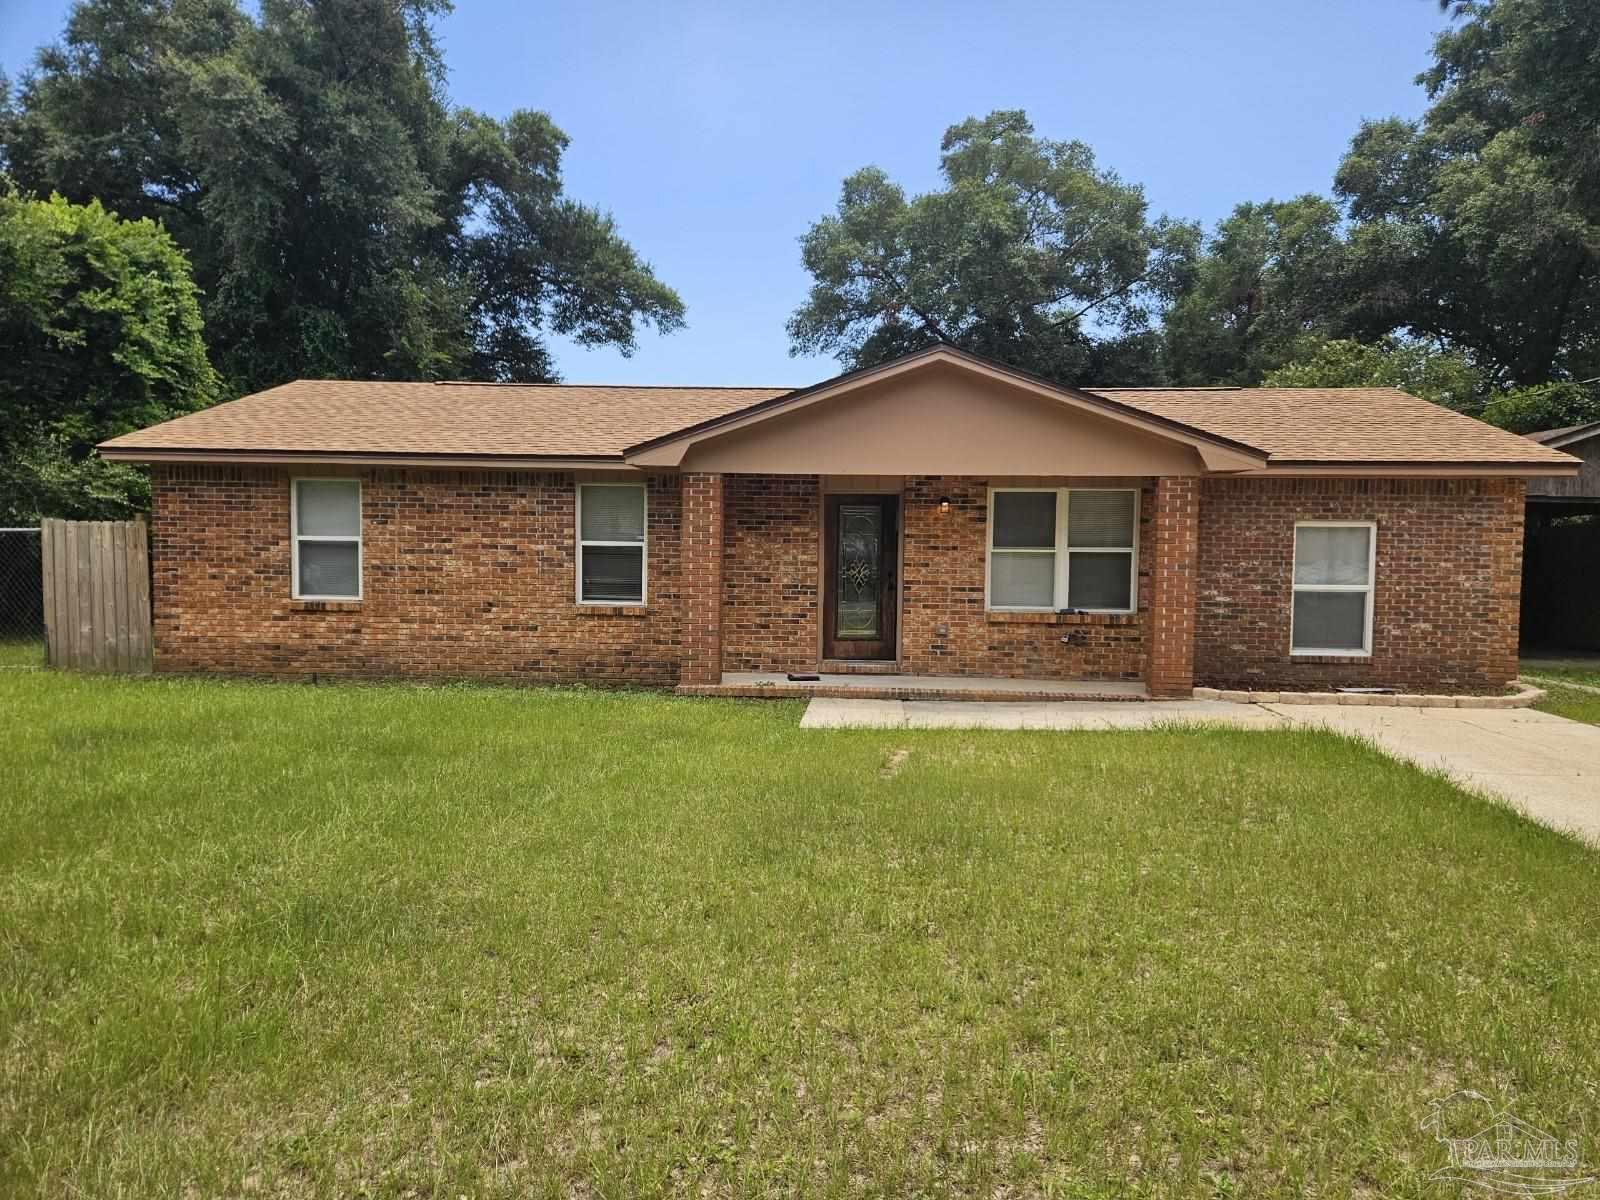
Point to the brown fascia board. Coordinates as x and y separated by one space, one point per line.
1379 466
185 454
944 349
612 462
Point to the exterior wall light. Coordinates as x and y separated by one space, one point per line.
944 505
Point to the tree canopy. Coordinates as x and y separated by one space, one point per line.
102 330
1480 224
1265 286
1029 254
342 218
1457 256
1442 376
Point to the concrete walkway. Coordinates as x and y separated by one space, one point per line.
1545 766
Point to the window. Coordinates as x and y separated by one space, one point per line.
1063 548
1101 527
325 515
611 543
1022 555
1333 566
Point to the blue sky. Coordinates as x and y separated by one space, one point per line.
716 133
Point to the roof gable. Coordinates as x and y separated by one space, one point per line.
953 433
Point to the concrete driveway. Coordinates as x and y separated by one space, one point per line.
1545 766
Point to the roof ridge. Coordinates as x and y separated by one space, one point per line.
1262 387
631 387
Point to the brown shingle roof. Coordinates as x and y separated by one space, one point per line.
522 421
1564 435
1296 426
1338 425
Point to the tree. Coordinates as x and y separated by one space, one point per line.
342 218
1441 376
1480 225
1269 278
1545 406
1029 254
102 329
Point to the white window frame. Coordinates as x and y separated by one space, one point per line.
1063 572
296 537
1370 588
643 546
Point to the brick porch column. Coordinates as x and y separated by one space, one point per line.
1172 586
700 578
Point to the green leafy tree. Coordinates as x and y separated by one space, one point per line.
102 329
1029 254
342 218
1442 376
1545 406
1270 277
1480 224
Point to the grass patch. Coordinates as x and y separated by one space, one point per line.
21 652
473 941
1575 704
1588 676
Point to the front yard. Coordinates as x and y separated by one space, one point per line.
303 941
1577 703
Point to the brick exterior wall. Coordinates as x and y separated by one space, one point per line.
944 626
471 573
771 563
1449 563
1175 543
700 578
465 573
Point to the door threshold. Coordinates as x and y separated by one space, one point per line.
859 666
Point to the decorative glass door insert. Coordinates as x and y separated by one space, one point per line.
860 571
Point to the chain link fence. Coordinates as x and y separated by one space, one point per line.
21 598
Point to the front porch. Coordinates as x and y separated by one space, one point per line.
940 519
775 685
760 576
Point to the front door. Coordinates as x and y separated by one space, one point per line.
860 591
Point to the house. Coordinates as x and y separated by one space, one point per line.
1561 568
938 515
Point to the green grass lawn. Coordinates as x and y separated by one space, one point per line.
387 941
21 652
1588 676
1574 703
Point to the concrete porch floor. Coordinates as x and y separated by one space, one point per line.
918 687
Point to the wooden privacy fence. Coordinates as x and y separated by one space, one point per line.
97 595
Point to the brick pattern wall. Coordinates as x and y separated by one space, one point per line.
944 626
771 564
471 573
1175 542
465 573
1449 561
701 578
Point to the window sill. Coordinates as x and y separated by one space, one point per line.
1000 617
324 606
612 610
1324 656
